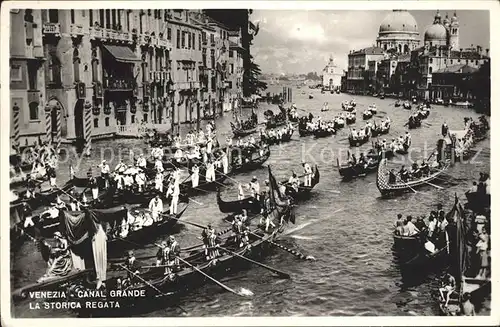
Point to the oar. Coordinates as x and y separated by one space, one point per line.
411 188
436 186
295 253
227 288
280 273
150 285
185 221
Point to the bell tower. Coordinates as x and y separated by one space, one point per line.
454 36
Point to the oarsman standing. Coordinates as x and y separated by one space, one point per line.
241 194
307 174
141 162
174 191
195 176
159 166
205 235
159 182
163 257
255 188
119 181
51 172
156 207
210 172
175 250
407 138
294 181
140 179
94 187
105 173
132 265
212 243
225 163
444 129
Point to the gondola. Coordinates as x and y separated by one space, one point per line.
367 114
45 197
250 204
187 189
303 191
357 141
323 132
400 187
424 113
397 104
274 140
240 132
251 164
275 121
373 109
350 120
407 105
380 130
414 122
348 172
311 96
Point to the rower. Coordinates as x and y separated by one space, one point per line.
393 145
174 190
266 212
209 146
163 257
255 188
362 160
424 168
156 207
407 139
403 173
177 140
431 229
205 234
241 194
140 179
307 174
282 188
132 265
361 134
415 171
401 140
354 134
449 285
178 155
213 244
175 250
353 160
225 163
444 129
94 187
120 167
105 173
159 165
195 176
159 181
51 173
210 172
128 181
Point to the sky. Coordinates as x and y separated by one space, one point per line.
300 41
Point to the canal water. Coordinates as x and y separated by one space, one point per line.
346 226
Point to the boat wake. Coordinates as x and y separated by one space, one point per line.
303 237
245 292
309 222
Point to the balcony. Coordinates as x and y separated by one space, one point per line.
119 84
162 43
53 29
76 30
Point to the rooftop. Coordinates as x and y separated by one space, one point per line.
369 51
462 69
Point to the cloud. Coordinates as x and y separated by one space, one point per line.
302 41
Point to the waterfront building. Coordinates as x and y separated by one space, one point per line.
358 75
331 75
96 73
235 81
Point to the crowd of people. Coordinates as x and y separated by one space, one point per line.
275 135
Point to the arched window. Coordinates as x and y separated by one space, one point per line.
400 48
407 48
54 69
132 119
33 110
430 70
145 118
106 121
96 122
76 65
385 47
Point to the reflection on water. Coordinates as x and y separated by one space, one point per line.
349 232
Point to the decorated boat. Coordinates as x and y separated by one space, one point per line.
413 122
400 186
348 171
407 105
350 119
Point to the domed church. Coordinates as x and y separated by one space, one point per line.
443 33
399 32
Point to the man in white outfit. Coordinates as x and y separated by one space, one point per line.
225 163
159 181
174 191
307 174
156 207
140 179
241 194
195 176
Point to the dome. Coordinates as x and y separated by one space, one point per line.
435 32
399 21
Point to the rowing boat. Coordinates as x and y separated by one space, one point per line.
358 141
386 188
323 132
303 191
250 204
241 132
237 166
274 140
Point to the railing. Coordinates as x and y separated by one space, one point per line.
52 29
118 84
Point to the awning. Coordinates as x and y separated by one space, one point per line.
122 53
